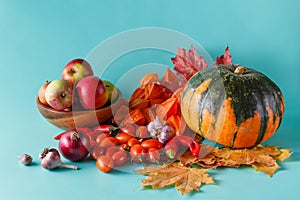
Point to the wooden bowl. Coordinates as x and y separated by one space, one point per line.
80 118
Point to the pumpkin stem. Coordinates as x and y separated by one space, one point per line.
240 70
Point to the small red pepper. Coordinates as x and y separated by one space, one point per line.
59 136
172 146
189 142
195 148
104 128
85 130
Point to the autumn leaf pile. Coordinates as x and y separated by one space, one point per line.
161 98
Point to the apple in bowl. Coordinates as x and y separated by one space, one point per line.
92 92
111 90
76 70
41 93
59 94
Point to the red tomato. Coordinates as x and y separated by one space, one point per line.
110 151
109 141
119 158
101 137
142 132
97 151
151 143
104 163
133 141
123 138
136 153
153 155
129 129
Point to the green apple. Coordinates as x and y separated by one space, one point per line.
111 90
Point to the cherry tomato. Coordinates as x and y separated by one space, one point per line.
136 153
151 143
104 163
153 155
142 132
123 138
133 141
111 150
101 137
109 141
119 158
97 151
129 129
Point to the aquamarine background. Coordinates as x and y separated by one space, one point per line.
37 38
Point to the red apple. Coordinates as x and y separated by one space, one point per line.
77 69
42 93
59 94
92 92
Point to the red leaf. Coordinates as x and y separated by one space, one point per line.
224 59
187 63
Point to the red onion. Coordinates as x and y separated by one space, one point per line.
74 145
50 159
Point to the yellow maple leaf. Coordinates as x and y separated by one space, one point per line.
270 170
285 153
185 179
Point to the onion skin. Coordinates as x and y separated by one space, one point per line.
74 145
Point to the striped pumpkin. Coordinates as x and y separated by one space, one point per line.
232 105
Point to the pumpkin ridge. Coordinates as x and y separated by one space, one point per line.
233 139
191 110
261 104
215 93
200 109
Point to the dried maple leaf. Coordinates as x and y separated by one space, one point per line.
224 59
261 158
187 63
285 153
185 179
270 170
